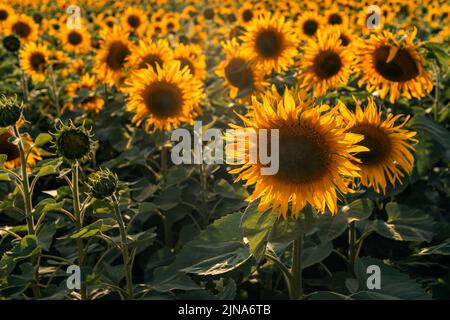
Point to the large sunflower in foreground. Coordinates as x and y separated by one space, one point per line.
163 98
23 27
325 63
239 72
12 151
76 40
270 42
112 56
391 63
390 152
315 156
191 56
34 60
150 54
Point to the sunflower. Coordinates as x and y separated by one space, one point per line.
23 27
325 63
336 16
308 24
246 14
192 57
150 53
91 102
134 20
238 71
76 40
34 60
390 152
271 42
6 12
112 56
163 98
391 63
315 156
12 150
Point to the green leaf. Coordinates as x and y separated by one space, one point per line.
167 279
102 207
24 248
358 210
3 158
45 235
329 227
394 284
440 249
95 228
226 190
256 227
4 177
216 250
315 253
405 224
439 51
42 139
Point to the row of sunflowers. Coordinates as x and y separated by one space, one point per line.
93 92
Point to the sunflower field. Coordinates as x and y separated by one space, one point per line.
127 131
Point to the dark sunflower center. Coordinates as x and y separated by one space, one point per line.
118 52
186 63
170 26
3 15
22 29
11 150
134 21
269 43
247 15
327 64
335 18
208 14
152 60
310 27
303 155
163 100
38 61
109 23
73 144
345 41
400 69
239 74
376 141
75 38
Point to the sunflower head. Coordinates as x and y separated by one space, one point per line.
10 111
391 63
73 143
271 42
326 63
11 43
163 98
12 152
315 161
103 184
389 151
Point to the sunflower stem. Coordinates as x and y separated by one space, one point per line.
79 221
296 270
351 246
436 96
124 246
164 154
105 91
204 194
27 198
54 90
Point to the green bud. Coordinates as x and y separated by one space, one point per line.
10 111
103 183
